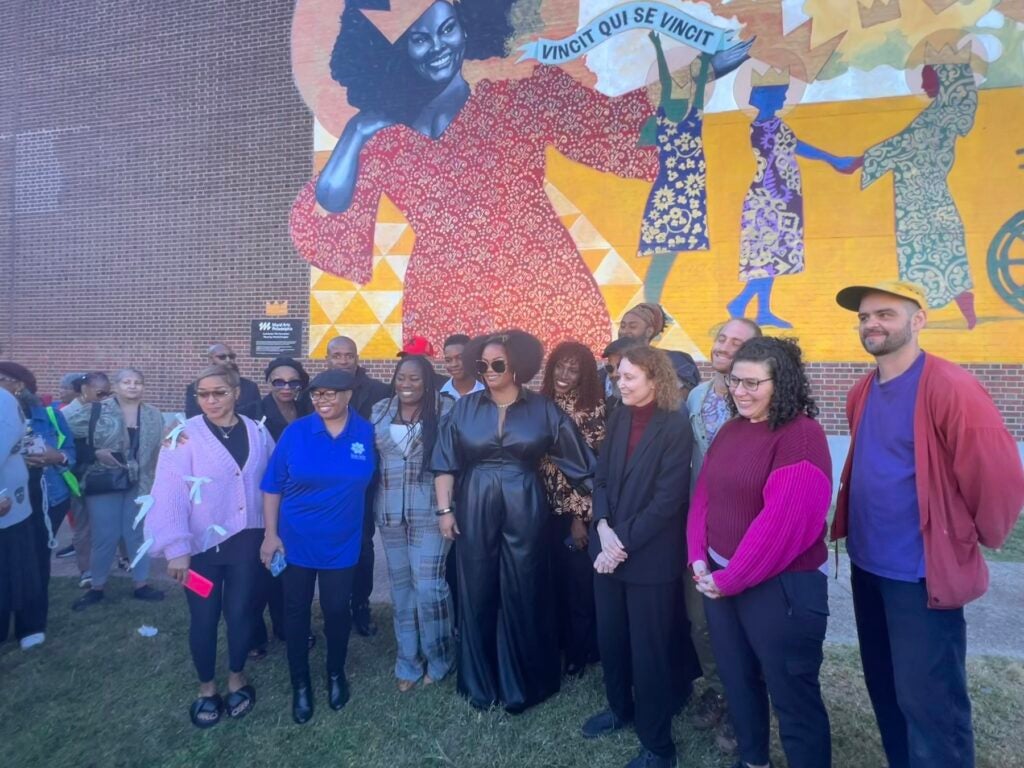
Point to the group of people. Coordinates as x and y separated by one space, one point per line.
620 514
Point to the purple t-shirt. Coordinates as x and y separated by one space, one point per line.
885 521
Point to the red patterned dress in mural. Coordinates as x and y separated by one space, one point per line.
490 251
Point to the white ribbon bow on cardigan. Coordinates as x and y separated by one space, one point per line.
141 551
175 433
195 493
145 503
206 536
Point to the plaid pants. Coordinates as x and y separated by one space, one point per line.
423 604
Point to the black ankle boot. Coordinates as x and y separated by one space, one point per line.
337 691
302 703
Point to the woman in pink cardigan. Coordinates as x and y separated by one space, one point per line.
207 517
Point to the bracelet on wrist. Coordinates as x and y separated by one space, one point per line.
443 511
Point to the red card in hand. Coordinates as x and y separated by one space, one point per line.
201 585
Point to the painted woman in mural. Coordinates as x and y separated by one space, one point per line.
466 168
676 216
772 223
930 245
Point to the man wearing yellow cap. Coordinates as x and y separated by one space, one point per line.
931 473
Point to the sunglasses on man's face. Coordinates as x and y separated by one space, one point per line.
226 356
498 366
286 384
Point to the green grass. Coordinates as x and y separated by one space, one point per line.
98 694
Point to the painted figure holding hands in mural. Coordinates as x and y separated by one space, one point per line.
772 224
466 167
676 216
930 245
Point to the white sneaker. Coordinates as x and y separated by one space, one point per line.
31 641
85 581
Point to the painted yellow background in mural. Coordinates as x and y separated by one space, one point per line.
849 236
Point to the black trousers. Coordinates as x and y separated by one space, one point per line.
269 593
772 634
574 588
451 575
335 594
914 661
634 633
362 584
33 618
234 592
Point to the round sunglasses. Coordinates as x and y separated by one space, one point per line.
498 366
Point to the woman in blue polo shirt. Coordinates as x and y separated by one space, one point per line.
314 499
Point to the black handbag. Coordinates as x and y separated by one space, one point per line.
101 479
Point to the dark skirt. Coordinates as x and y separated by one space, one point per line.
21 580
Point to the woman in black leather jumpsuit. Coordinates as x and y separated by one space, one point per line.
486 461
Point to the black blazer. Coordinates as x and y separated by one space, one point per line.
645 500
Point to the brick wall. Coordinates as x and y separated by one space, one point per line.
149 153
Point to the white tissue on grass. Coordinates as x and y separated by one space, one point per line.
147 631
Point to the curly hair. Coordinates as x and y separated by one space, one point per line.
376 73
429 411
658 368
589 392
784 360
524 350
287 362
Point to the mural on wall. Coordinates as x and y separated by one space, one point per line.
546 164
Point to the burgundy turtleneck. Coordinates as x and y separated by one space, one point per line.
641 418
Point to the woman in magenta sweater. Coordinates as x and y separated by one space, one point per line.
207 516
756 536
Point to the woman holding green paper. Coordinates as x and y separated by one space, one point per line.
676 216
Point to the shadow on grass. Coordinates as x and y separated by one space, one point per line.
98 694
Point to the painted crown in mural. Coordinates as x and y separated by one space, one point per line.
394 22
938 6
771 76
947 54
878 12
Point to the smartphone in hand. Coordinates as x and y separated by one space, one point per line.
277 564
199 584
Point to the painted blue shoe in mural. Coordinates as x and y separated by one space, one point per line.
772 321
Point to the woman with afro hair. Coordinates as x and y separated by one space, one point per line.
571 380
490 494
756 536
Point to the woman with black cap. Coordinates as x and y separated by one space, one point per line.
314 500
286 402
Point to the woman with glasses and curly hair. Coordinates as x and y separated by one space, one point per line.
640 497
570 379
756 537
493 444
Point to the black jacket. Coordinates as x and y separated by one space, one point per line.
367 393
249 400
645 500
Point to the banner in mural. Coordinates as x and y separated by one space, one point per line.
546 164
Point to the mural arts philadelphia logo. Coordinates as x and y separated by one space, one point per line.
658 17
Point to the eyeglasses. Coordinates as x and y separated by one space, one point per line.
212 394
327 395
295 384
498 366
226 356
750 385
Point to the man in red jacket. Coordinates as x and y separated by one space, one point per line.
931 473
